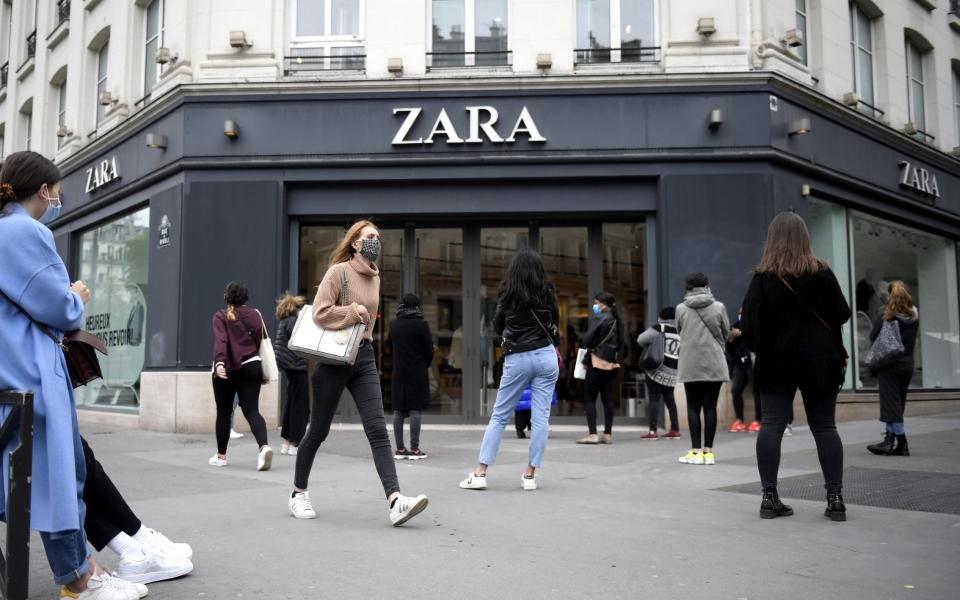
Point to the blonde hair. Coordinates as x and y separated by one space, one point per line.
788 250
344 251
899 300
288 305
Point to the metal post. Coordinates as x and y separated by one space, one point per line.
15 566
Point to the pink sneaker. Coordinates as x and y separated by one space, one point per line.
737 427
671 435
652 436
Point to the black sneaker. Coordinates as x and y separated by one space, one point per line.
416 454
401 454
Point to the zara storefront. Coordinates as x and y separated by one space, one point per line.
622 186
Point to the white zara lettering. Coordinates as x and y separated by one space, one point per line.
919 179
482 127
101 174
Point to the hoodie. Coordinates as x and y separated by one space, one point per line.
704 328
909 325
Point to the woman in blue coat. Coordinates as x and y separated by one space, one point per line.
34 281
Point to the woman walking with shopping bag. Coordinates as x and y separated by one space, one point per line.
349 294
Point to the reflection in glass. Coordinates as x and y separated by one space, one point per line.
311 18
624 245
114 264
448 33
491 32
345 17
636 30
593 30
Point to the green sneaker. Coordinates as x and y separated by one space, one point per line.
709 458
692 458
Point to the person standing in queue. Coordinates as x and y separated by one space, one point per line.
604 339
411 345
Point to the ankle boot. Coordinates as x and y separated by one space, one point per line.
836 509
901 449
884 448
771 507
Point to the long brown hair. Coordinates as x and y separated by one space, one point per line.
344 251
289 305
899 301
788 251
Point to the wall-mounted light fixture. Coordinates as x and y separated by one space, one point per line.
910 128
395 65
238 39
64 131
799 126
164 56
706 26
156 141
851 99
231 129
805 190
792 38
545 61
106 98
716 119
955 152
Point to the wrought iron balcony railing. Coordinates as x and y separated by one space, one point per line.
486 58
624 54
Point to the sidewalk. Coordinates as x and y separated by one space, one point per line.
621 521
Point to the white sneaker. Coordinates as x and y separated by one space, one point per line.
104 587
788 430
152 566
405 508
264 459
292 450
216 461
692 458
474 482
301 507
284 447
235 435
139 589
159 543
529 483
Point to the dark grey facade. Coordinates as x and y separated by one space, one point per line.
615 152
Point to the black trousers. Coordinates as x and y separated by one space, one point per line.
108 514
245 383
894 383
363 381
599 381
702 396
656 392
741 375
296 407
820 406
522 419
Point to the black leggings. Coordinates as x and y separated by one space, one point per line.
599 381
398 417
108 514
296 407
820 406
741 374
245 382
363 381
702 395
655 392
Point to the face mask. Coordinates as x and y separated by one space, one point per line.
596 309
370 249
53 210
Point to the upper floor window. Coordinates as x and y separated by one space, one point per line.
3 131
861 44
801 11
916 90
101 80
6 27
326 35
61 112
956 99
466 33
615 31
153 39
26 117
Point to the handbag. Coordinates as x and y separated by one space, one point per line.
268 359
652 356
337 347
887 348
580 369
79 349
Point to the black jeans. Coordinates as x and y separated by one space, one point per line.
415 419
702 395
245 383
741 374
363 381
601 382
820 406
296 407
108 514
656 392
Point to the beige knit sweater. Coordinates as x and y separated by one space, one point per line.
363 281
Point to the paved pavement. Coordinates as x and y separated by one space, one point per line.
621 521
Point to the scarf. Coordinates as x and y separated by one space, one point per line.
405 311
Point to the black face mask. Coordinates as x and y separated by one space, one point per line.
370 249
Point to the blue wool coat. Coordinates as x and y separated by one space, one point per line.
33 275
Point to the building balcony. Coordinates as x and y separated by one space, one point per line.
61 28
623 55
4 74
953 15
468 60
313 61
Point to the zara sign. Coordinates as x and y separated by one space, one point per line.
919 179
101 174
482 127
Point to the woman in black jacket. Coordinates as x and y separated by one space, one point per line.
603 339
894 379
296 408
791 320
411 345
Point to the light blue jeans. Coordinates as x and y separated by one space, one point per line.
539 370
67 552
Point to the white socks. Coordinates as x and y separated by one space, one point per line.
142 535
124 545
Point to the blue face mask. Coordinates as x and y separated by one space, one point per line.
50 215
596 309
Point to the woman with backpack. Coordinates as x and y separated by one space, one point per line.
603 338
894 378
661 372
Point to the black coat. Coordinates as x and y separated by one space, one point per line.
603 337
286 360
784 329
412 348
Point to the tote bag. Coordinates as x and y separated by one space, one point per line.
268 359
326 346
886 348
580 369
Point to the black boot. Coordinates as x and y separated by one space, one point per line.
885 447
836 509
901 449
771 507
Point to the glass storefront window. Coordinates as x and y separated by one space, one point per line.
884 252
114 264
624 245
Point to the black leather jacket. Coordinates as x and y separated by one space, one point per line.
520 330
603 337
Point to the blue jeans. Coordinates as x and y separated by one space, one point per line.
538 369
67 553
